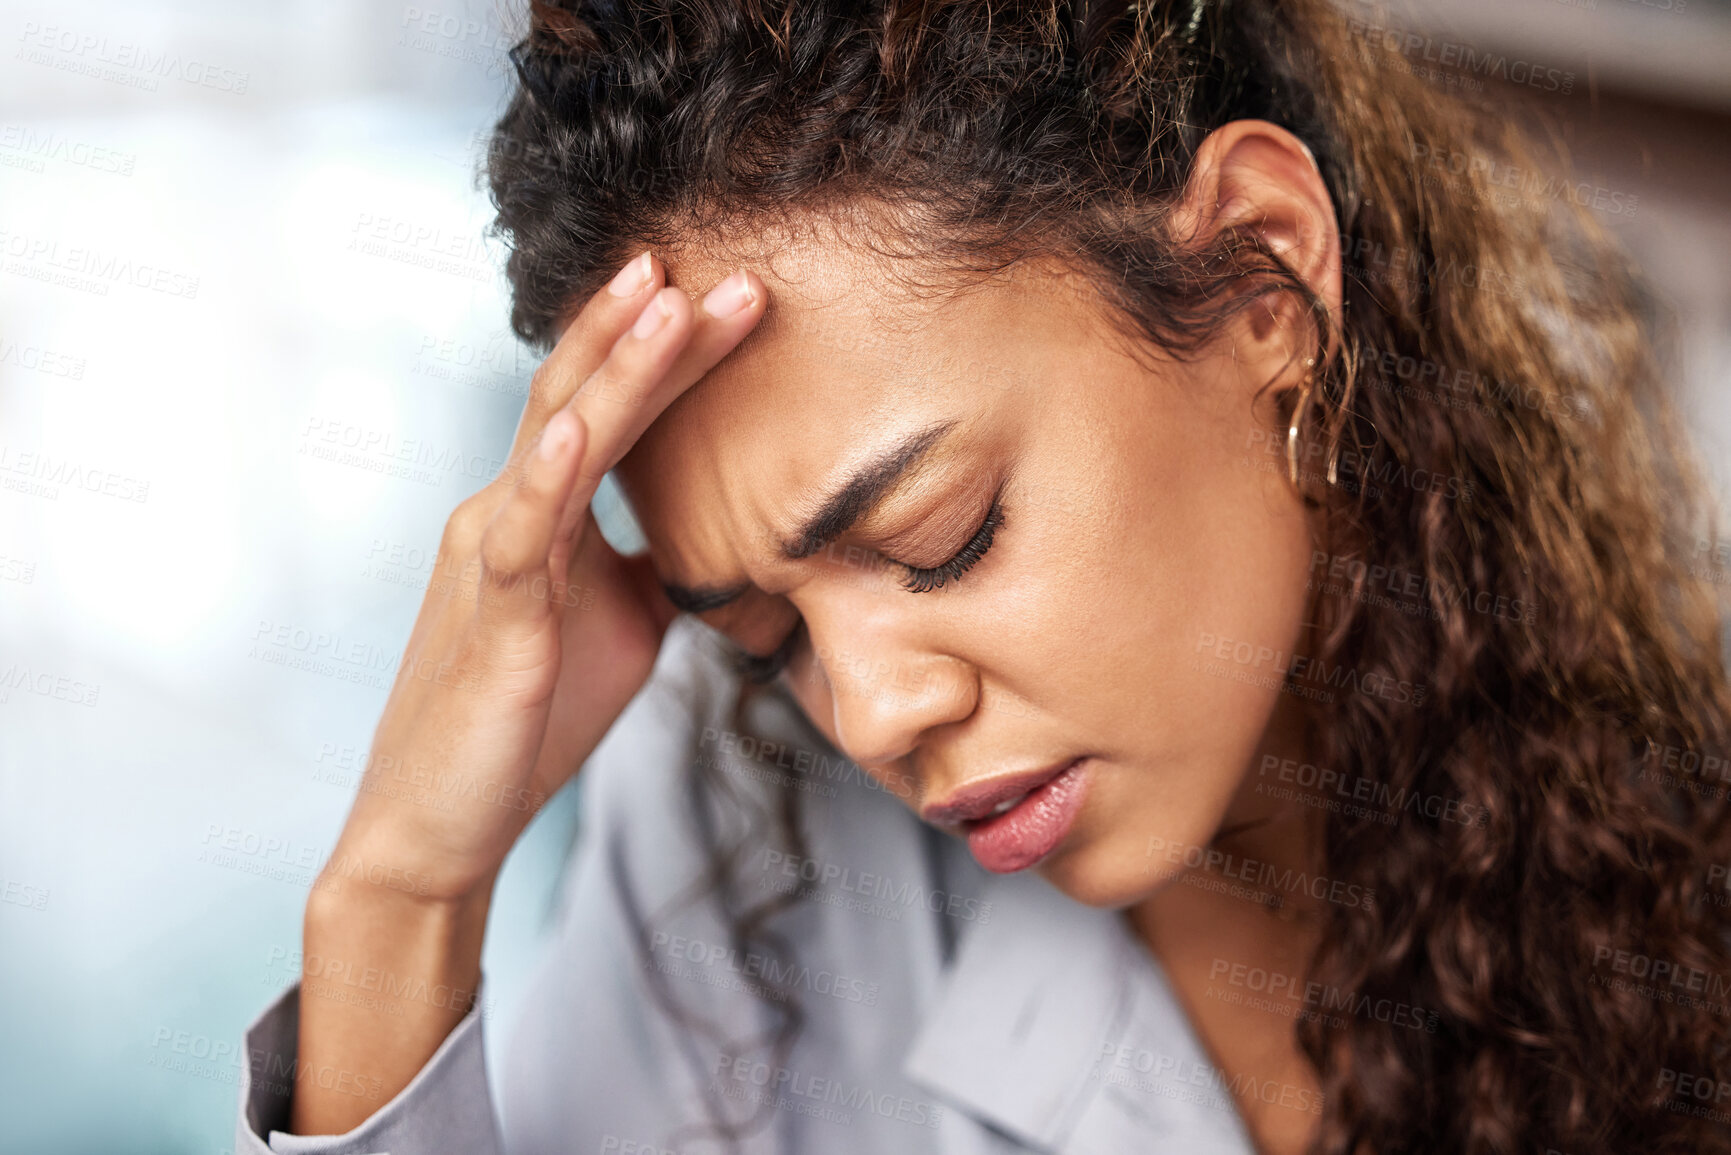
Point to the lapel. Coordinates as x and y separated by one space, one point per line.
1053 1025
1021 1017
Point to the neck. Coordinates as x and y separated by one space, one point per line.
1235 937
1269 844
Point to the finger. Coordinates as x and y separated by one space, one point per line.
518 541
643 369
584 342
670 348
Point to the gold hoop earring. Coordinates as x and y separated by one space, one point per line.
1297 417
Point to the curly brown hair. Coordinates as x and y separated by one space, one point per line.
1574 944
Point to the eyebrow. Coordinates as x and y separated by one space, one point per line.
869 486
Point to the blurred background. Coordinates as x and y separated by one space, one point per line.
253 348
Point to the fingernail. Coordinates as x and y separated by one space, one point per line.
632 277
555 437
654 315
729 297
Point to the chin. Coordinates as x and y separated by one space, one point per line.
1102 876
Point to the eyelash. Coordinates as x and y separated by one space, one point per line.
921 581
761 669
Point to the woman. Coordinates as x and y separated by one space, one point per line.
1227 661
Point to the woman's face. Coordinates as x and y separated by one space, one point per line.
1138 523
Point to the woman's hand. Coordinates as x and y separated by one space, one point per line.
535 633
533 636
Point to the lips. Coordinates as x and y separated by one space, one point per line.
1014 821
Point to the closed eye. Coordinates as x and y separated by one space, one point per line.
920 580
763 668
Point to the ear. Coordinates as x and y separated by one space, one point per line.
1255 175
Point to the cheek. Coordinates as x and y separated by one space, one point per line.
1231 634
1189 630
1172 595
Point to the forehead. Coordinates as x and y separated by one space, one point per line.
855 351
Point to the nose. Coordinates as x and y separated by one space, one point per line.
888 688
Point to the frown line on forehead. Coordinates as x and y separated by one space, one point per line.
867 487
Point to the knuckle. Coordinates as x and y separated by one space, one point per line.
515 472
543 396
551 383
501 558
464 527
616 384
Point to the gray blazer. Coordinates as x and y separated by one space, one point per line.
946 1010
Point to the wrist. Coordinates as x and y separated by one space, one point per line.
401 898
379 856
404 956
386 975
